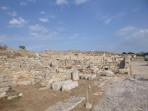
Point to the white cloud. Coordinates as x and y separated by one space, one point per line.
126 30
13 13
24 3
77 2
136 40
39 32
4 7
108 19
37 27
44 35
17 22
61 2
43 20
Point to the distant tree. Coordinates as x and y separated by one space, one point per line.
124 53
22 47
131 53
142 54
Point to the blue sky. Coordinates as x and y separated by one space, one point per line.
103 25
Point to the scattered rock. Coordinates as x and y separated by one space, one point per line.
20 94
107 73
124 71
3 94
70 85
88 105
11 97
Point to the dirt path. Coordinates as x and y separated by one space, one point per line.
126 93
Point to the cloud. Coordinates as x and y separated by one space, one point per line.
108 19
39 32
43 20
126 30
49 35
78 2
17 22
37 27
61 2
13 13
136 40
4 7
23 3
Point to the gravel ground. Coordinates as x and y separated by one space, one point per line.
127 93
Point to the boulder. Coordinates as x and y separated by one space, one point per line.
69 86
58 85
3 94
124 71
107 73
87 76
92 77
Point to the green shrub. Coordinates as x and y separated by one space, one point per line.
146 59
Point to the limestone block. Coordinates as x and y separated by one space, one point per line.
58 85
87 76
24 83
107 73
3 94
75 75
69 86
93 76
124 71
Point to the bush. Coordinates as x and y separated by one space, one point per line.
22 47
146 59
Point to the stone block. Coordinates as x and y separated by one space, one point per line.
93 76
87 76
69 86
107 73
75 75
3 94
24 83
58 85
124 71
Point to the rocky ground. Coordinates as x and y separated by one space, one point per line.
127 93
36 81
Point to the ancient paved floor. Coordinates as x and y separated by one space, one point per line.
126 93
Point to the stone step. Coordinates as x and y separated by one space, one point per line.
70 104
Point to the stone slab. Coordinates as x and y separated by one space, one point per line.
70 104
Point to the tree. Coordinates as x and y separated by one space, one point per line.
131 53
22 47
124 53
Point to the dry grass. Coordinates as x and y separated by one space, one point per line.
38 100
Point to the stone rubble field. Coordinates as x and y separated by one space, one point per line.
38 81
